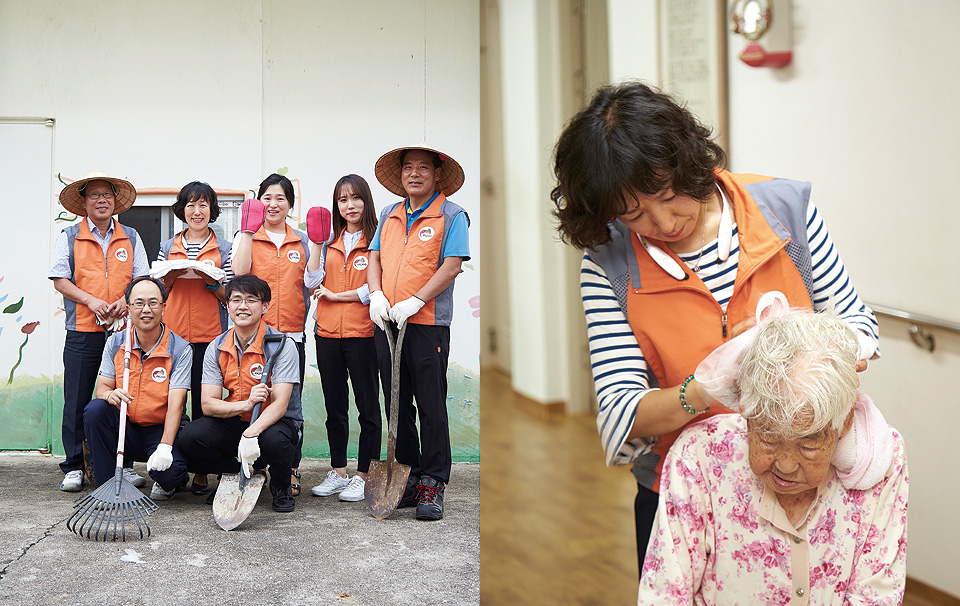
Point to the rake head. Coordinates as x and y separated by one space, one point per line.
104 513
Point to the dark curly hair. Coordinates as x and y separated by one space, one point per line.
193 191
630 138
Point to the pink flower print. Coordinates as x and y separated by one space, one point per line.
854 496
854 516
776 555
777 595
873 537
723 451
823 531
824 574
742 511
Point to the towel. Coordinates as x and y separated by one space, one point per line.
162 268
864 454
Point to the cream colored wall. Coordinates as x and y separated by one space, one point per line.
227 92
866 112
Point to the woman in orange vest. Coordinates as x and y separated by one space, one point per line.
344 336
677 252
194 310
277 254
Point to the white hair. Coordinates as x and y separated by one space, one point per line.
799 374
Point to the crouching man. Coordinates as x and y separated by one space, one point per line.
160 364
234 361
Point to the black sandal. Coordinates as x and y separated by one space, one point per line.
295 486
199 489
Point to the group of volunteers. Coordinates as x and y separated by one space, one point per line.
201 314
763 475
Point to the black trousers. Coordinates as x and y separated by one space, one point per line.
209 445
423 376
645 510
196 379
355 358
102 426
81 361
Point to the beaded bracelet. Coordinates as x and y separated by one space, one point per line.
683 398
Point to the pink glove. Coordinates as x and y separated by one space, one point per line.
318 224
252 214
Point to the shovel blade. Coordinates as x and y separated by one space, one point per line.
232 504
384 486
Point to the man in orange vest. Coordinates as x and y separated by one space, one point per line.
415 256
93 261
160 363
235 361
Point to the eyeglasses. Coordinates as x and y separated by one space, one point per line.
106 196
152 304
247 300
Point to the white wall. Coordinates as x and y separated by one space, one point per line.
227 92
867 113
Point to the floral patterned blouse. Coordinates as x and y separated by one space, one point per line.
721 536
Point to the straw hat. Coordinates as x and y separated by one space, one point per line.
71 198
388 171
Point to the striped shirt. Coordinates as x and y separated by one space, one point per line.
620 372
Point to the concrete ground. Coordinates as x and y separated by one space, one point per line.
325 552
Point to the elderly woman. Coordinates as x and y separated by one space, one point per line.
753 509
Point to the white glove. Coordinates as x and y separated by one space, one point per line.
404 309
161 459
379 308
248 451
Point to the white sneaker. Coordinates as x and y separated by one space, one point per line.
133 477
354 490
72 481
331 485
157 493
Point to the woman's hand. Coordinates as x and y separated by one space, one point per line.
325 293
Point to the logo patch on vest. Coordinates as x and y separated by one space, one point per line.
294 256
159 375
256 371
121 254
426 233
209 262
360 263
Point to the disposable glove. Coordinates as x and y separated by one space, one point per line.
248 451
252 214
161 459
318 224
404 309
379 308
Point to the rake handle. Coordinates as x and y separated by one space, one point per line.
127 346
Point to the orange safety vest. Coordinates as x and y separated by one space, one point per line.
408 261
239 376
104 280
283 270
149 384
193 311
678 323
343 273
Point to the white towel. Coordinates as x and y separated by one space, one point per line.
162 268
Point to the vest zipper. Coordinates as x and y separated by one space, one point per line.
724 320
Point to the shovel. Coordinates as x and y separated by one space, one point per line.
237 494
386 480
